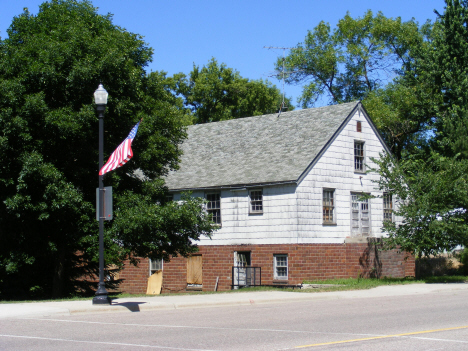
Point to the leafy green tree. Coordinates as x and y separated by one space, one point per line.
396 111
50 65
216 93
431 180
442 68
357 57
432 198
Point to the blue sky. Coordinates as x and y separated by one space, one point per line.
234 32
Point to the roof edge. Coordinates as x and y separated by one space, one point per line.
235 186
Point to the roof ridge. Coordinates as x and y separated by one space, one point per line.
279 116
262 149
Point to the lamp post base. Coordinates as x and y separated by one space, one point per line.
101 300
101 297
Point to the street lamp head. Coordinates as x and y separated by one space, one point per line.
100 95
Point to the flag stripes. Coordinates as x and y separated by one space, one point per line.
122 154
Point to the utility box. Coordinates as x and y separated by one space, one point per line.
107 203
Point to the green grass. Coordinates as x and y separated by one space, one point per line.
369 283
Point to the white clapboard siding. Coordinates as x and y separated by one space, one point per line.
293 213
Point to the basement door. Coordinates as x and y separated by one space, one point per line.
241 273
195 272
360 215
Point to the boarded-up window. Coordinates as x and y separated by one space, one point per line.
194 270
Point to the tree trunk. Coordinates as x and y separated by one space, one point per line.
57 285
418 266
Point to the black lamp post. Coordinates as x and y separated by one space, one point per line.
100 98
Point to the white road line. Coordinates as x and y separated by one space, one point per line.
435 339
195 327
101 342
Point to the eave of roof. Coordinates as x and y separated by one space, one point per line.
254 151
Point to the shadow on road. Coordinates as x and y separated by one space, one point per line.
131 306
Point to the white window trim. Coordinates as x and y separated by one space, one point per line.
392 219
275 267
207 209
363 143
333 221
252 211
152 271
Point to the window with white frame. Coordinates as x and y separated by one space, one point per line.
387 207
280 263
359 156
256 201
155 266
328 206
213 206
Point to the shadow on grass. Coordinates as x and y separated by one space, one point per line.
446 279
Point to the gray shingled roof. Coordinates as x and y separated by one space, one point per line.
256 150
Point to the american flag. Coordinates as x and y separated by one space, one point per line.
122 154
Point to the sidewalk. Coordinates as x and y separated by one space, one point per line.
137 304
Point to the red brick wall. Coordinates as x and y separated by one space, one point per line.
305 262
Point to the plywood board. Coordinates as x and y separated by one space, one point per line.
154 283
194 270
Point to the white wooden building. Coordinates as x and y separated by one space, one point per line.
292 178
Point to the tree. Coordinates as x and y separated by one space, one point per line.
443 69
216 93
431 180
432 198
396 111
50 65
357 57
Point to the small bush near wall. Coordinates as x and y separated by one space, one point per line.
437 266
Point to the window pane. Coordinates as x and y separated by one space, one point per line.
387 207
328 205
155 265
214 207
256 201
282 272
281 266
358 156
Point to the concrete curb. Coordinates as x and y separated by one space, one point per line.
153 303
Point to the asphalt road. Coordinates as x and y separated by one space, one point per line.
432 321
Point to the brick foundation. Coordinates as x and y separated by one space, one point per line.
305 262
